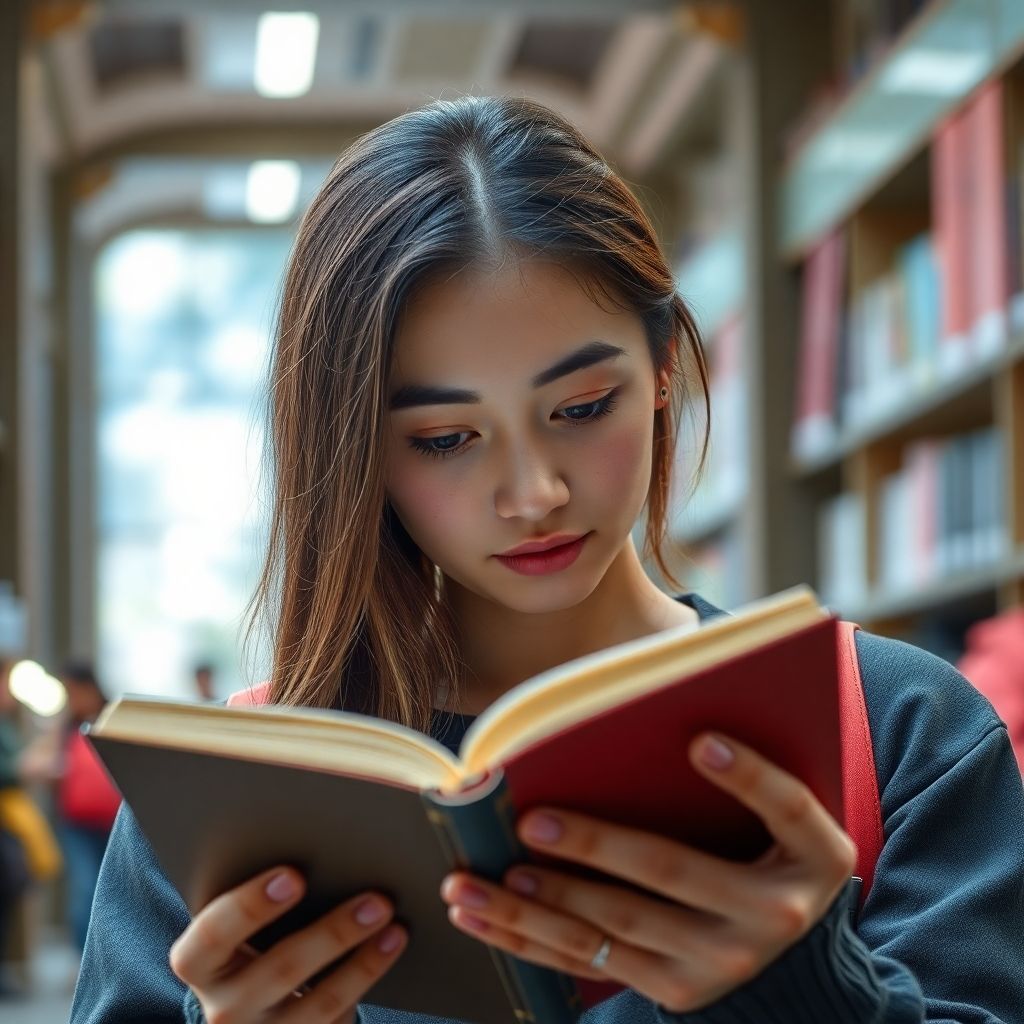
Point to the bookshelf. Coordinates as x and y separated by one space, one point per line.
921 412
901 247
895 607
886 469
937 62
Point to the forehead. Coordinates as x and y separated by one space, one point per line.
512 321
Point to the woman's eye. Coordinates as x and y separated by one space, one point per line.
590 411
439 447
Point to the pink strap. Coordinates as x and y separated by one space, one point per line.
861 804
251 696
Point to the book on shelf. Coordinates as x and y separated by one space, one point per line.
888 344
943 511
815 421
991 285
842 550
923 302
358 804
975 169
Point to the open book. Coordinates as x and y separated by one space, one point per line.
356 803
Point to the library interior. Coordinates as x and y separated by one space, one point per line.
838 186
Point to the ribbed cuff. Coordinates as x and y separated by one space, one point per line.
826 976
192 1010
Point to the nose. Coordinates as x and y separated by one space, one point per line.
531 486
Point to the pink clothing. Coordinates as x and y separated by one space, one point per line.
251 697
994 663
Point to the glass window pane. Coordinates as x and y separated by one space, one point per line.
184 320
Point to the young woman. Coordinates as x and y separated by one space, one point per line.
481 356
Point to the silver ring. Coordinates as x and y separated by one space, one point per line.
601 956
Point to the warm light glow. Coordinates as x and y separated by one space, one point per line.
34 687
285 53
272 191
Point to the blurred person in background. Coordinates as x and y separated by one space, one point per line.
203 676
28 848
994 662
14 870
87 800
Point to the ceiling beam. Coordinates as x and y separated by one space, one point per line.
682 87
443 8
634 52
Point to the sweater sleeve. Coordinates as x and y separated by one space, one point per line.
940 937
137 915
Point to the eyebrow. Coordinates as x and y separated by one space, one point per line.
587 355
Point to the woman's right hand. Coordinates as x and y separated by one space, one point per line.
234 987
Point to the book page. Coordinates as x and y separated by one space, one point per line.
302 737
591 684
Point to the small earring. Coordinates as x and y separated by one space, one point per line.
663 393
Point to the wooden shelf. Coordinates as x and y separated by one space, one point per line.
922 412
938 593
891 114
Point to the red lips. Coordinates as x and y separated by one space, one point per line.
556 540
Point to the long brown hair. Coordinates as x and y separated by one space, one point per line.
360 619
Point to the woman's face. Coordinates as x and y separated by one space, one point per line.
550 433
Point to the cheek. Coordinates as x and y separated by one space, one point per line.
428 506
618 467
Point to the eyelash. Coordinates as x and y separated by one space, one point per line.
602 407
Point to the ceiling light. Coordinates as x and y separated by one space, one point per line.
285 53
272 191
34 687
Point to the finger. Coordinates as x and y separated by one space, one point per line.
336 997
523 946
657 977
790 811
663 866
642 921
569 937
211 942
290 963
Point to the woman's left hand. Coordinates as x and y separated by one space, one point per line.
704 926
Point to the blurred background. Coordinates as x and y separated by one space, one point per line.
836 182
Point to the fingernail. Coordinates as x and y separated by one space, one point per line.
467 895
369 911
715 754
542 828
281 887
522 883
390 940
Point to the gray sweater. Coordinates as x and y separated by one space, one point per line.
940 937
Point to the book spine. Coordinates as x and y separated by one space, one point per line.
479 835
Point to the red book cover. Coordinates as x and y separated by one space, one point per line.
630 764
990 283
952 210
